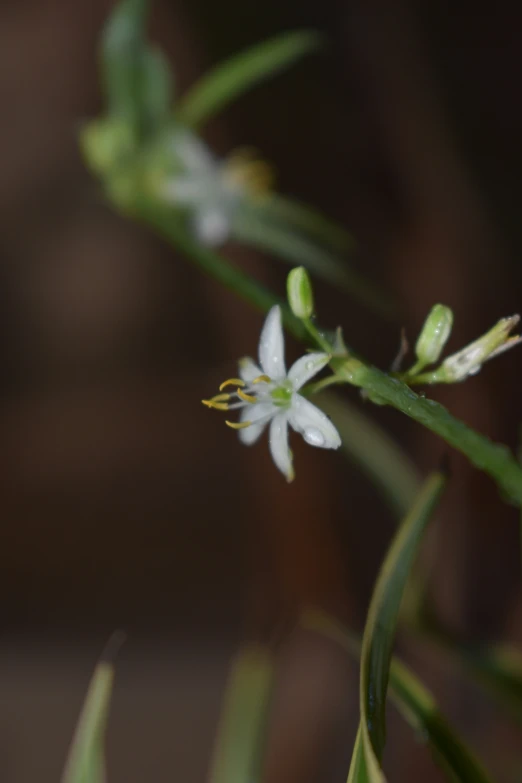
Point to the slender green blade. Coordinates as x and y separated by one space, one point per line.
416 705
121 52
240 73
241 731
283 241
157 89
360 770
136 76
307 219
379 633
85 762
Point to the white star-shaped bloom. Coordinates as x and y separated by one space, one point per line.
212 189
267 395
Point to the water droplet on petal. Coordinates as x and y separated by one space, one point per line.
314 437
309 365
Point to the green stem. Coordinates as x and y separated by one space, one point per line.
494 459
316 335
314 388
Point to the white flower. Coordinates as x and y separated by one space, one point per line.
267 394
210 188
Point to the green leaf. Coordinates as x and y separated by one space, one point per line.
85 763
379 633
419 708
497 669
121 52
306 219
240 73
416 705
157 89
241 731
136 76
257 230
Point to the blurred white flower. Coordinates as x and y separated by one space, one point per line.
210 188
267 394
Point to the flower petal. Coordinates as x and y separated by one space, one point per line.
306 367
314 425
248 369
278 440
272 346
194 154
259 415
212 225
184 190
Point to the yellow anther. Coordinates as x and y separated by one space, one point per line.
246 397
238 425
262 379
220 397
232 382
249 171
218 406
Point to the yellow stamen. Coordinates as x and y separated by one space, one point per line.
238 425
221 397
246 397
262 379
232 382
246 169
218 406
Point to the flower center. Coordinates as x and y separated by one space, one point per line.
282 395
248 174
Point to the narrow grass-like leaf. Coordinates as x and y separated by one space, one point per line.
121 52
157 89
136 76
85 762
497 668
241 730
241 72
284 242
379 633
306 219
416 705
419 708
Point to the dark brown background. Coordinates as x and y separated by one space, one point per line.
125 503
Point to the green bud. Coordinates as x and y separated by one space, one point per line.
105 142
434 335
470 359
300 294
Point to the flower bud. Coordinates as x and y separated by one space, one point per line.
470 359
434 335
300 295
105 142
